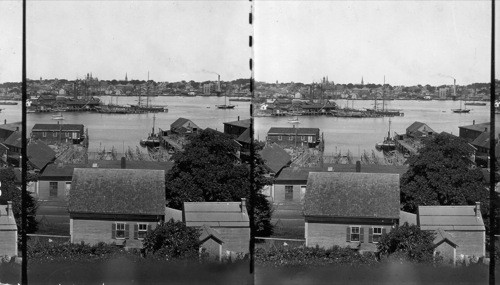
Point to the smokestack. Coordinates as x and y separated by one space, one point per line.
454 88
358 166
478 209
473 122
238 118
243 204
5 122
123 163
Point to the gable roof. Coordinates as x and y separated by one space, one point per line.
293 131
415 126
240 123
57 127
40 154
483 140
442 236
117 191
482 127
16 126
275 157
14 140
361 195
215 214
460 218
180 122
245 137
207 232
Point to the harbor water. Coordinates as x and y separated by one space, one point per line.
355 135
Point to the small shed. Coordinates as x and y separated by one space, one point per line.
8 231
211 242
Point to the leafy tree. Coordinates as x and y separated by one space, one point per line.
11 192
443 174
172 239
415 244
209 170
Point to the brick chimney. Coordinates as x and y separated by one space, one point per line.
478 209
358 166
123 163
243 204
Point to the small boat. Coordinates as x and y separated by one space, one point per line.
294 120
57 117
153 140
8 103
225 106
460 111
475 103
388 144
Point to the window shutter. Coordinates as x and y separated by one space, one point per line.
127 228
370 235
383 231
348 234
113 231
136 230
362 235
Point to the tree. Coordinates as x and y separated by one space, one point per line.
416 245
172 239
209 170
443 174
11 192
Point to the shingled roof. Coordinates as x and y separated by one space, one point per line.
57 127
40 154
215 214
459 218
14 140
275 158
293 131
117 191
361 195
240 123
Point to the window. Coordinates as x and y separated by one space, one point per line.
355 233
67 134
44 134
279 138
376 234
120 230
142 231
290 138
53 189
288 193
54 134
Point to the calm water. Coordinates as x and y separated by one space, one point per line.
341 134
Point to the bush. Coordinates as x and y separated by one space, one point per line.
312 256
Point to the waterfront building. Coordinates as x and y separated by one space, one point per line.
294 137
350 209
58 133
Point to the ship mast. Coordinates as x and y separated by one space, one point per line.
383 97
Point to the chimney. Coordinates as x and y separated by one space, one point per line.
124 163
243 204
358 166
10 212
478 209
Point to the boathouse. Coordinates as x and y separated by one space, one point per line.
294 137
58 133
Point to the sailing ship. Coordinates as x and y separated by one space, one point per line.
153 139
388 144
139 108
460 111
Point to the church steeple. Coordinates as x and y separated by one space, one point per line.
362 82
126 79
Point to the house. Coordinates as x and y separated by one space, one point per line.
58 133
184 126
291 183
39 155
350 209
275 158
229 220
463 225
115 205
54 183
8 231
471 132
240 131
294 137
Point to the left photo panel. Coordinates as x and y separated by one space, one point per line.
138 127
10 140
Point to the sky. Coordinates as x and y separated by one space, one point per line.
410 42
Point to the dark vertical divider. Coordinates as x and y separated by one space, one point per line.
24 269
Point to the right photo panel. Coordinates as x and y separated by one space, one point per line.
374 121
